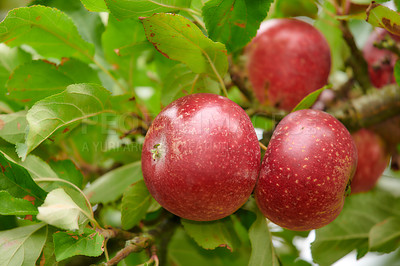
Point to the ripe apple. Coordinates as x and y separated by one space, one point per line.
287 60
201 157
306 170
380 61
372 160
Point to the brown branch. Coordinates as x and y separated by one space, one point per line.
238 79
162 233
369 109
356 60
137 244
116 233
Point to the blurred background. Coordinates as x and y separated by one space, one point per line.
371 259
6 5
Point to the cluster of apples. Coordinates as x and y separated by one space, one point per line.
201 158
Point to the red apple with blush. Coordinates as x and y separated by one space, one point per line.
372 160
287 60
306 171
201 157
380 61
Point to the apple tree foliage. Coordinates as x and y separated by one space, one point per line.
81 82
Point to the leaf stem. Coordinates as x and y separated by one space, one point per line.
199 22
221 81
106 250
189 10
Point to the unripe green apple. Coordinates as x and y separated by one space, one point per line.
306 170
287 60
201 157
372 160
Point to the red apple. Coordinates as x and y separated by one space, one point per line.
306 170
201 157
380 61
287 60
372 160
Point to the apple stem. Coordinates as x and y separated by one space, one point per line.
262 146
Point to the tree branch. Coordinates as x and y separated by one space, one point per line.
136 244
161 233
356 60
369 109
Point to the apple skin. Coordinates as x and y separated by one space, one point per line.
201 157
372 160
305 171
287 60
380 61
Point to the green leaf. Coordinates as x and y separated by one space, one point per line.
183 251
138 8
309 100
13 126
49 31
76 103
69 244
234 22
16 180
22 245
67 170
36 80
384 17
125 154
15 206
89 24
60 210
47 258
7 222
351 229
262 122
135 203
95 5
123 42
263 252
296 8
209 235
88 141
385 236
78 71
37 167
39 79
179 39
330 28
182 81
112 185
10 58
